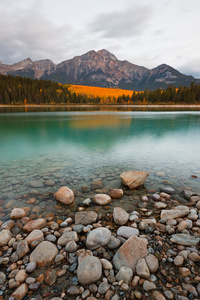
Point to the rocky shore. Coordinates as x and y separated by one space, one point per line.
149 253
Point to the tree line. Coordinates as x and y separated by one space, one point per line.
20 90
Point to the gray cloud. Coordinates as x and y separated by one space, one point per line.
129 22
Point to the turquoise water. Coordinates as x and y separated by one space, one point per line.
78 147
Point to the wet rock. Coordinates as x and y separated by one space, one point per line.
49 182
120 216
17 213
168 190
134 179
73 290
152 263
188 193
179 211
130 252
44 253
85 217
34 224
22 248
50 276
36 184
65 195
185 239
97 238
67 237
20 292
102 199
89 270
127 232
142 269
8 225
116 193
125 274
5 237
97 184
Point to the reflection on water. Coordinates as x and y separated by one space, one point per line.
75 148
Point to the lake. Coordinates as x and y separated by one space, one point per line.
42 151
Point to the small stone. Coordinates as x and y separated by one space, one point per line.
22 248
120 216
160 205
103 288
116 193
73 290
64 195
71 246
89 270
185 239
44 253
31 267
20 292
50 277
194 257
102 199
158 296
156 197
106 264
149 286
142 269
125 274
179 211
85 217
184 272
152 263
21 276
17 213
97 238
168 190
2 278
5 237
127 232
34 224
87 201
51 238
114 243
67 237
182 225
35 235
178 261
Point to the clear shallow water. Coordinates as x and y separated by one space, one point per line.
79 147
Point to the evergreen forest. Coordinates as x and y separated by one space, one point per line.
20 90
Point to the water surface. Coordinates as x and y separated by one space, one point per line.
75 148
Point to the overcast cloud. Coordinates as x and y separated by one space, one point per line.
147 33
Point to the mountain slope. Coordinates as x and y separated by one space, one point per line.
100 69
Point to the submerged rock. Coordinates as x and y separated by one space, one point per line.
134 179
102 199
17 213
64 195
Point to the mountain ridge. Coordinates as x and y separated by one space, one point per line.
101 69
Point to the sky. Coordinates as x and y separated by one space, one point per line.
146 32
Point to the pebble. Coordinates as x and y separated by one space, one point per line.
98 237
102 199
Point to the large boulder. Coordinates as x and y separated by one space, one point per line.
98 237
130 252
64 195
134 179
120 216
44 253
89 270
85 217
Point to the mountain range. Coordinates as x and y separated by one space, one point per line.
101 69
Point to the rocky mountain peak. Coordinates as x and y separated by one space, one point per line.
106 54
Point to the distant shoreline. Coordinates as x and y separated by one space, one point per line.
102 105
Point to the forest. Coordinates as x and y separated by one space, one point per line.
20 90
